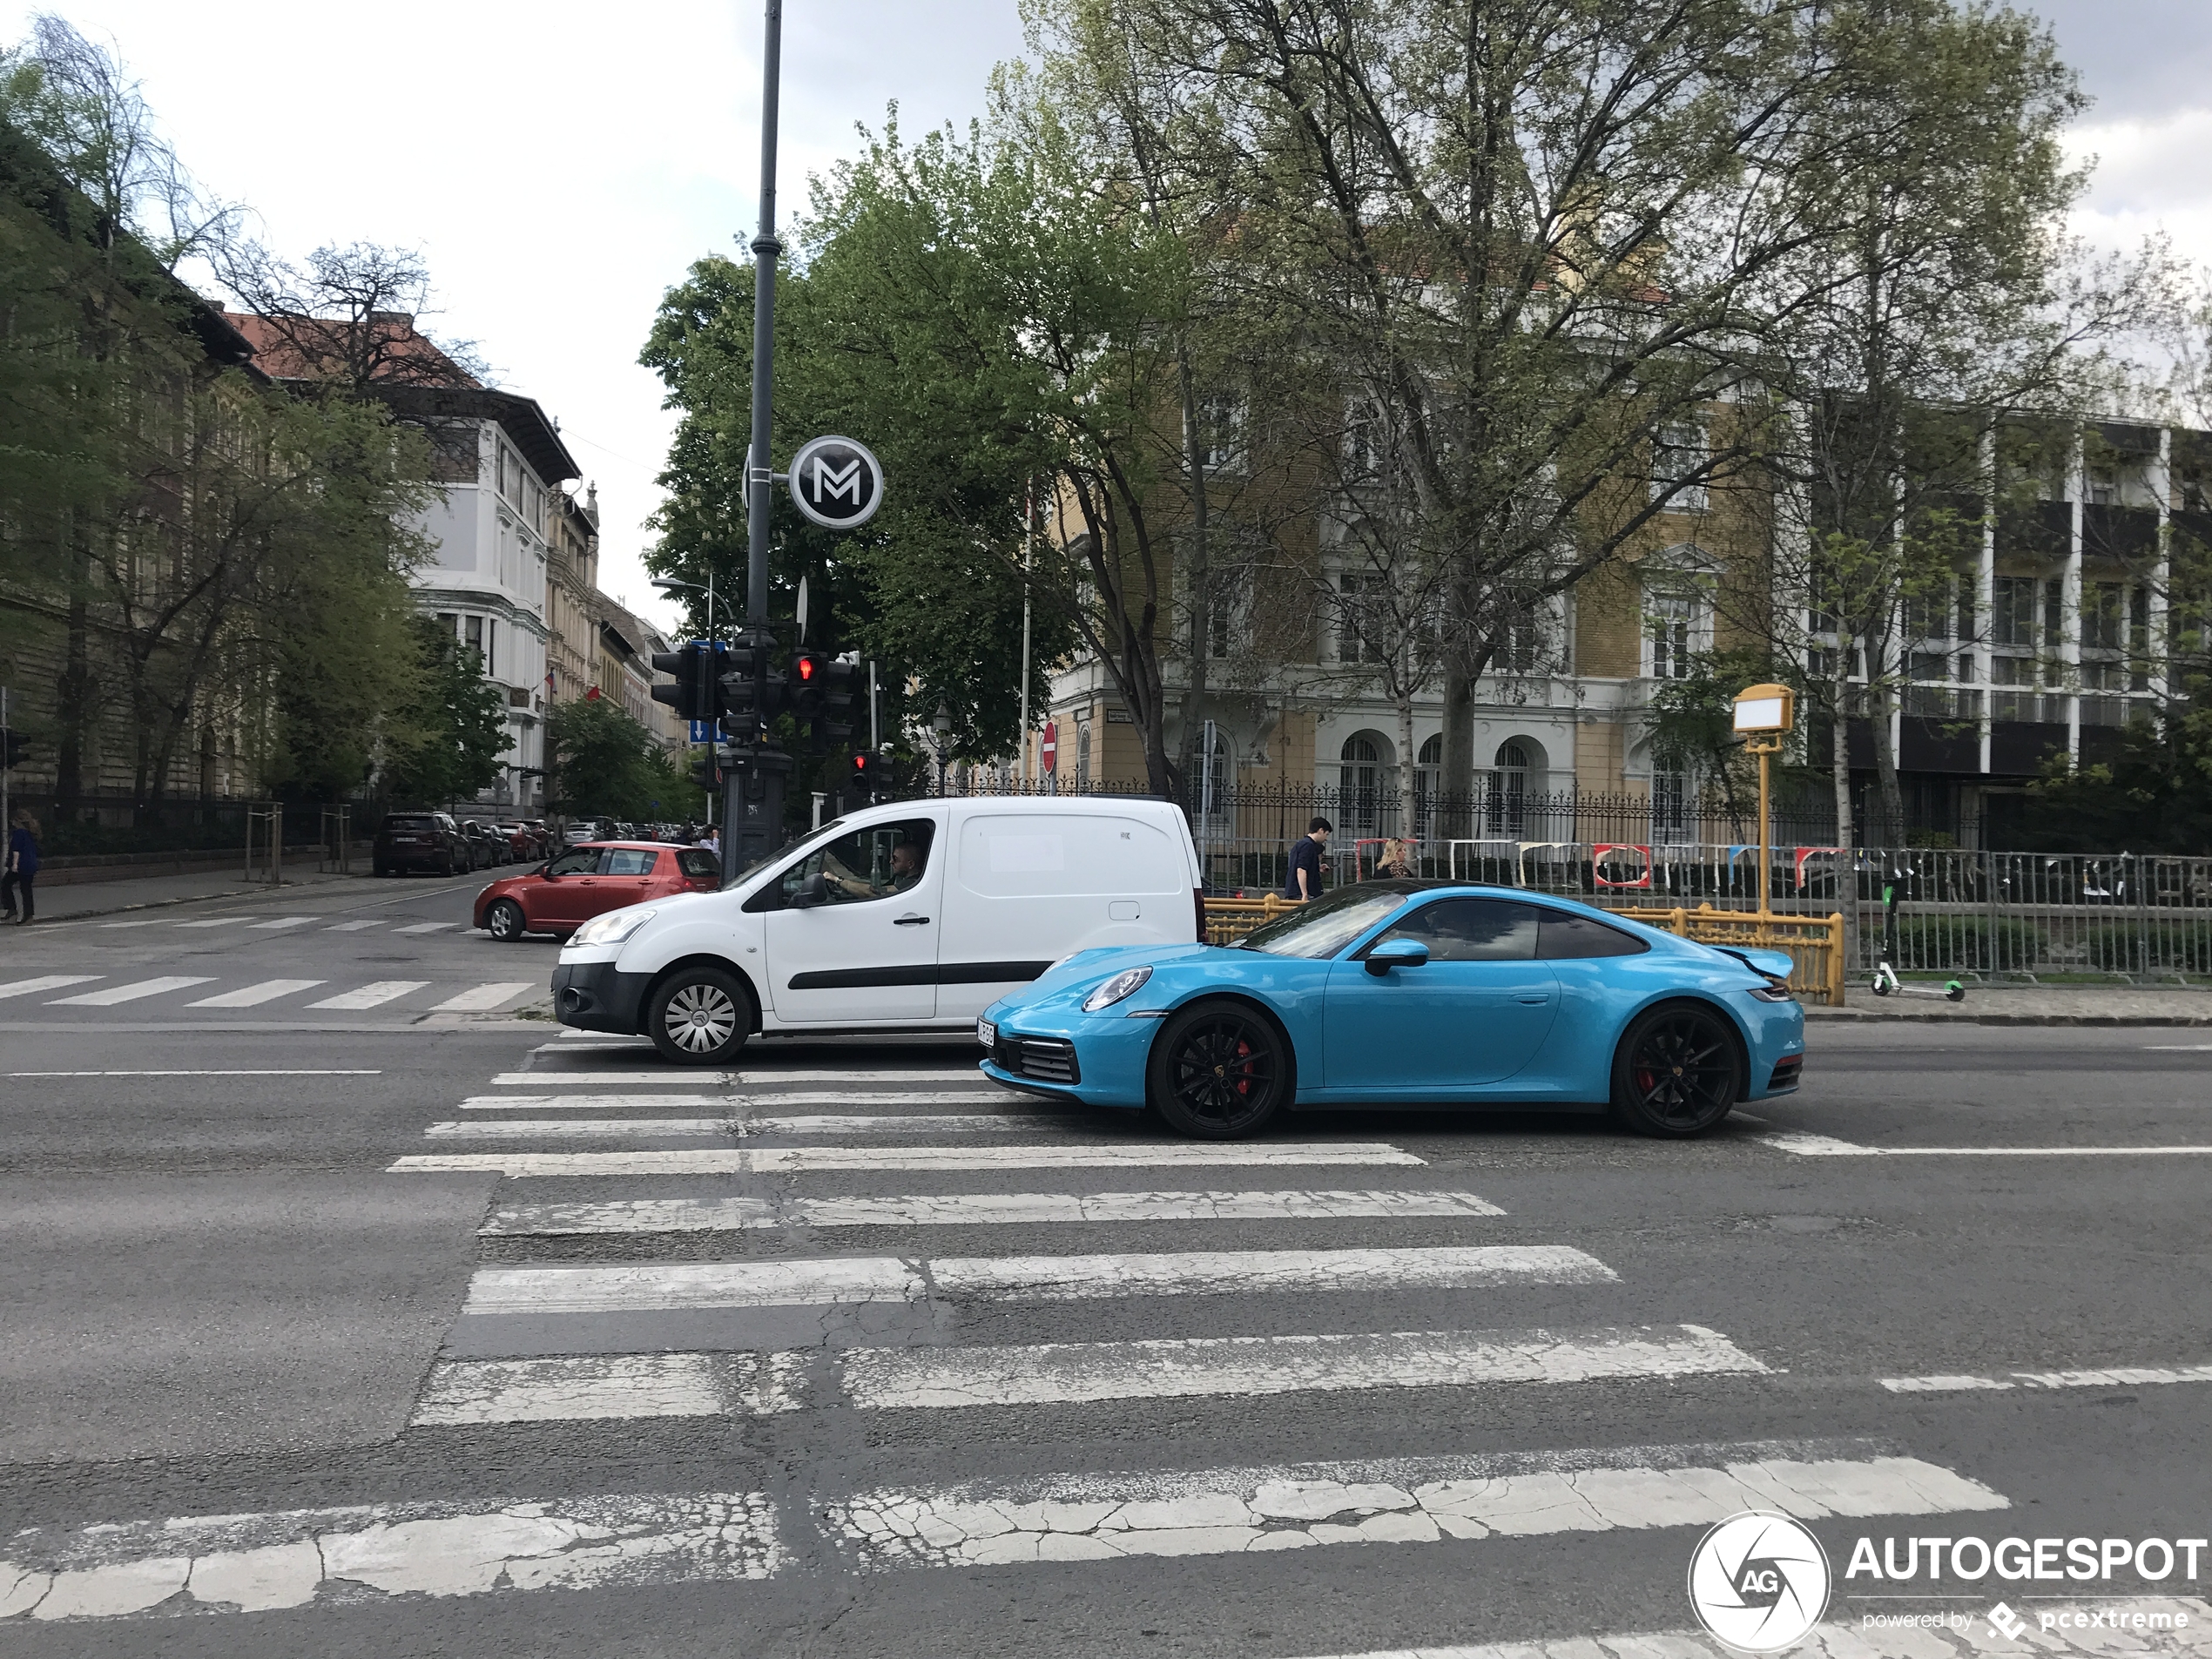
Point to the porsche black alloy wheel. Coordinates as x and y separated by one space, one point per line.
1219 1071
1677 1073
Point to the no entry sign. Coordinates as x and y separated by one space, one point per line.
1049 747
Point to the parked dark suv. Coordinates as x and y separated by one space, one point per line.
420 841
487 845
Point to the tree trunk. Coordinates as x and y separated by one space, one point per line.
1199 579
1456 787
1840 758
1885 768
1406 825
75 696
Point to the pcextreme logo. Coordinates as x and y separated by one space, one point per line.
1759 1581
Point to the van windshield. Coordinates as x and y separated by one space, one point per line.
810 840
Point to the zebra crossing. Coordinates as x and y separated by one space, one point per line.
490 996
790 1232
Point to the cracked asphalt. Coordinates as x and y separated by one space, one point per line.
219 1300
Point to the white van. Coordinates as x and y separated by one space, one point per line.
916 915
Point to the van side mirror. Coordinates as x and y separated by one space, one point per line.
1396 952
813 891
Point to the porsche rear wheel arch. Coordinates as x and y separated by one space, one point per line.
1221 1035
1680 1068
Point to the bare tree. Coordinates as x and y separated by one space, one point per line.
349 319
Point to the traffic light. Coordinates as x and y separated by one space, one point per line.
11 746
753 685
870 776
821 697
809 684
842 680
697 694
705 774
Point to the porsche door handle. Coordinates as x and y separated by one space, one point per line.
908 921
1535 1002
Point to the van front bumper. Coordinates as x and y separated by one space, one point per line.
593 996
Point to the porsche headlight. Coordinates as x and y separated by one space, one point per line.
613 927
1123 984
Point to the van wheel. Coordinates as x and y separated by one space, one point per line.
699 1016
1219 1071
1677 1072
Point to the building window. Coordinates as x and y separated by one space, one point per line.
1674 629
1366 779
1680 453
1671 806
1509 811
472 633
1428 778
1361 611
1221 432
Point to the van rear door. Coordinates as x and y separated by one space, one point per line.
1030 886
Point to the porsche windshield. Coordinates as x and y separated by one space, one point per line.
1327 925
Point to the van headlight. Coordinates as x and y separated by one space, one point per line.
1123 984
612 928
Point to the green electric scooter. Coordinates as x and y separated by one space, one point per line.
1886 983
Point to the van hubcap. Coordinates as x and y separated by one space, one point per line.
700 1018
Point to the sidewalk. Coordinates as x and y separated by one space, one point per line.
2028 1005
106 898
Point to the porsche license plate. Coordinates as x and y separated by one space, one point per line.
987 1034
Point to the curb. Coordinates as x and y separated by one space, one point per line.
1868 1016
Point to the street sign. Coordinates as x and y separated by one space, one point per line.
836 482
703 731
1049 747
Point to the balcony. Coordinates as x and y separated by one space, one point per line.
2042 531
2126 533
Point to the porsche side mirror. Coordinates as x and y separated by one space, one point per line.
1396 952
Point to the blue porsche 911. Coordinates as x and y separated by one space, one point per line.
1410 994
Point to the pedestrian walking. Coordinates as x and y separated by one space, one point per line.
1304 880
22 864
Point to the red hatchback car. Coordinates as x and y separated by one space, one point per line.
573 886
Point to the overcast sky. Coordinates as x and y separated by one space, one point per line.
561 163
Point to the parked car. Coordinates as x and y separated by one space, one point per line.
908 915
573 886
419 841
521 842
1411 993
487 845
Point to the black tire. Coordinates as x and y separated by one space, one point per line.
699 1016
1678 1072
505 922
446 868
1220 1071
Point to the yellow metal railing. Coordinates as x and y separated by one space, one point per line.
1815 944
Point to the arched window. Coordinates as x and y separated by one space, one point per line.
1082 756
1429 779
1368 783
1509 790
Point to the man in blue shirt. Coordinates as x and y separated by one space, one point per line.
1305 879
22 864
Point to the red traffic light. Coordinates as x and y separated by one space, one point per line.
808 667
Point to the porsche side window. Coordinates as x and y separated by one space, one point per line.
1563 937
1471 930
1325 926
878 862
584 862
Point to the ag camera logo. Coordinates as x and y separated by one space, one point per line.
1759 1581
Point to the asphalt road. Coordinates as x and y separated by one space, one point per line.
412 1327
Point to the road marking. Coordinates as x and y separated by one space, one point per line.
215 922
49 983
1028 1107
274 922
2109 1377
1215 1512
351 927
267 991
369 996
482 998
2175 1626
600 1386
145 921
603 1386
966 1209
2179 1047
115 994
806 1160
942 1076
252 1563
317 1073
1823 1146
823 1123
677 1077
589 1102
666 1287
426 927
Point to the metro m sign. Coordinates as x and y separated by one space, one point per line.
836 482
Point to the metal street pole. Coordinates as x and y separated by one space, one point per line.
753 801
1028 562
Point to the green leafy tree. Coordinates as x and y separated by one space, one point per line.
450 726
598 760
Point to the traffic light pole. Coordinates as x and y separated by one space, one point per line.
753 815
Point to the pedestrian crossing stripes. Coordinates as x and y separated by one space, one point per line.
215 922
972 1084
1214 1512
47 983
960 1210
364 1553
632 1287
482 998
352 926
841 1098
254 995
2110 1377
913 1379
275 922
811 1160
118 993
426 927
372 995
820 1123
255 1563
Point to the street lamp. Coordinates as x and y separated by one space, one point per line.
940 732
1765 715
670 586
